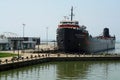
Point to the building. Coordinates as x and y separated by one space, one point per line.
4 43
15 43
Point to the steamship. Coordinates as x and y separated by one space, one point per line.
71 37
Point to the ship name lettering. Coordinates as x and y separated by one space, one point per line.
79 35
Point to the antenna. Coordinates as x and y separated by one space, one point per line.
72 13
66 17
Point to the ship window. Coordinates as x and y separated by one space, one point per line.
74 23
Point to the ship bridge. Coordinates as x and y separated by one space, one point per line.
69 24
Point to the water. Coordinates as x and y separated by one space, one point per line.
80 70
73 70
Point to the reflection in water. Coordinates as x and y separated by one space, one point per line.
37 72
75 70
86 70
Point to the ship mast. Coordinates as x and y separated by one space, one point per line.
72 13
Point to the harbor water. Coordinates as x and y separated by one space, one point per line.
71 70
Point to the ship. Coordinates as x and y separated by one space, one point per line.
72 37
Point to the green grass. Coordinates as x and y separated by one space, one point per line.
6 55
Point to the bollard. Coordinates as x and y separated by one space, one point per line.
31 56
35 56
6 60
39 56
58 55
46 55
27 58
23 58
42 55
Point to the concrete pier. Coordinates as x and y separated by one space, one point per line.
43 58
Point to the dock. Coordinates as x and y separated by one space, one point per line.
33 59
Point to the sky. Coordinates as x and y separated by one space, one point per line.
38 15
